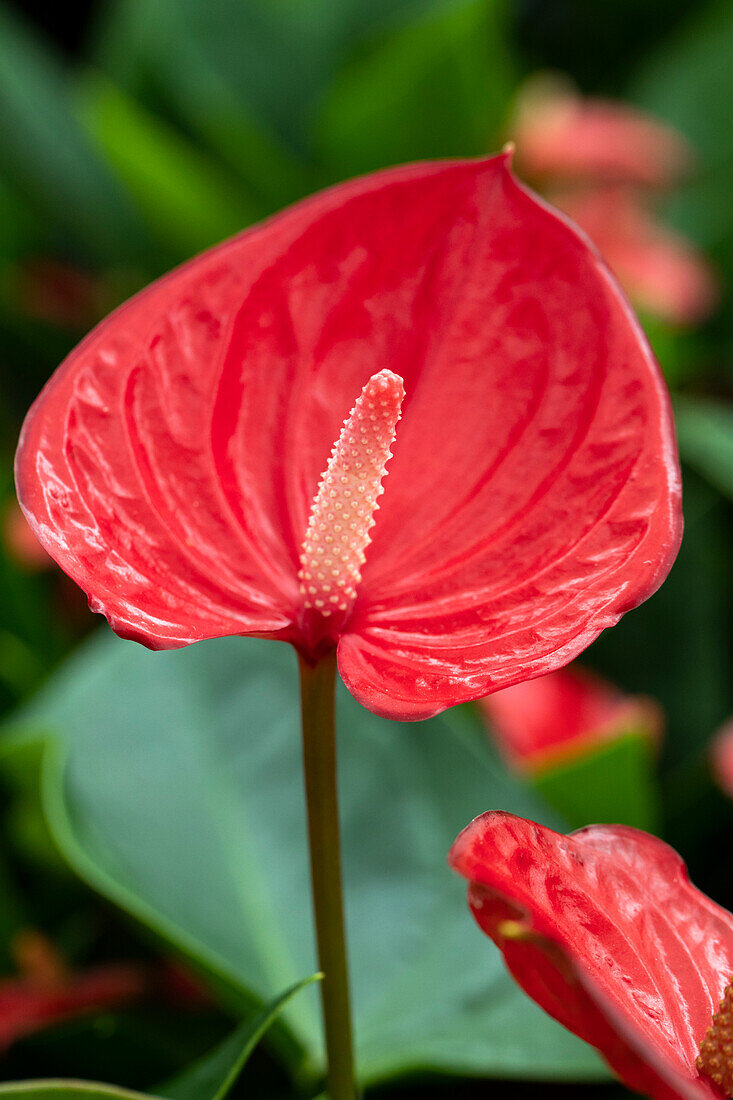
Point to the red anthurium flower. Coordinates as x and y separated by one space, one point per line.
604 929
177 465
563 135
564 714
660 270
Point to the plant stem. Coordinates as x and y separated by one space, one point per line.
317 687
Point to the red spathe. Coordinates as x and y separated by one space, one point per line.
607 933
170 464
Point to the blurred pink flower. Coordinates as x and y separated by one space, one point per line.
20 542
600 161
563 715
658 268
721 751
563 135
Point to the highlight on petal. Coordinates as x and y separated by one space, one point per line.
563 135
604 930
660 270
554 718
171 463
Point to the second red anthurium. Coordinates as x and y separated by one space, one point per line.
605 931
177 465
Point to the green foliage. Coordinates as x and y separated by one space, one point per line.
188 202
50 157
688 80
677 646
65 1090
275 59
213 1076
438 87
612 784
705 434
180 797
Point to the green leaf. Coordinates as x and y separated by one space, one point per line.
614 783
688 81
705 436
181 799
188 202
66 1090
274 59
49 157
214 1075
438 87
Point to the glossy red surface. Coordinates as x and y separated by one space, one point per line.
170 464
609 936
563 714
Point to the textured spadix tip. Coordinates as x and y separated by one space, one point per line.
716 1050
342 513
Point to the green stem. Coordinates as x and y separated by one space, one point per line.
317 686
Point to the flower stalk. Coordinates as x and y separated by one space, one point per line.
317 689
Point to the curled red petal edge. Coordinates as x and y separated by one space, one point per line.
552 974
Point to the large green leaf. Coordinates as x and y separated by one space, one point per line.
181 799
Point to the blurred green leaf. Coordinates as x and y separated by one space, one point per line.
438 87
213 1077
49 157
677 647
18 228
612 784
705 436
181 799
186 200
197 90
275 59
65 1090
688 81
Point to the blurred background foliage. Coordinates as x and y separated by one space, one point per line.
134 133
